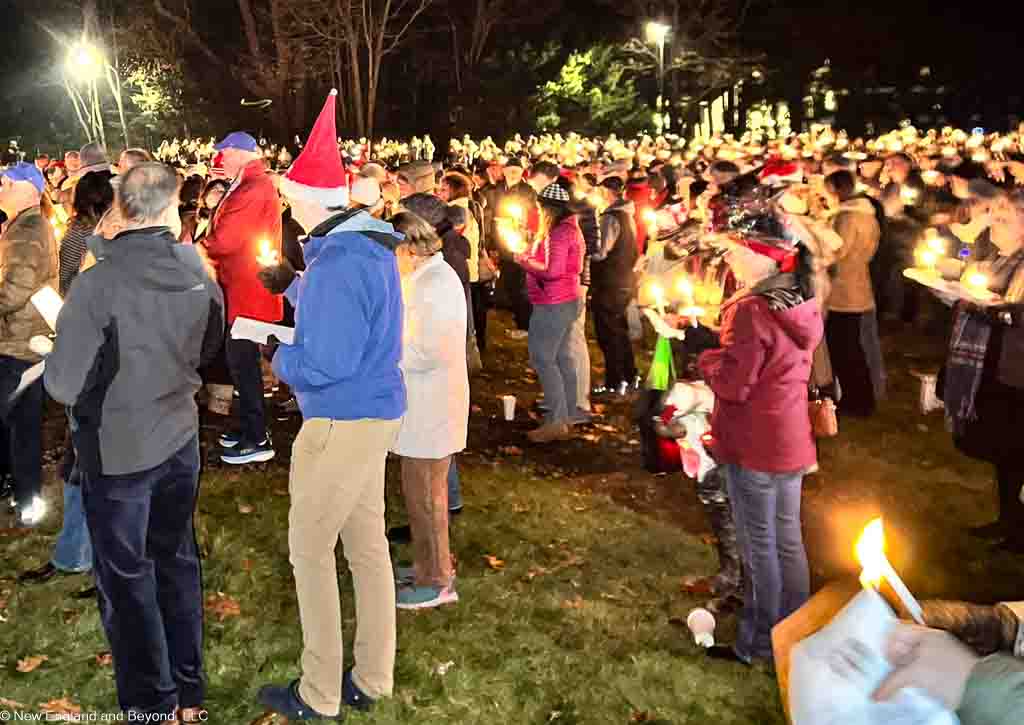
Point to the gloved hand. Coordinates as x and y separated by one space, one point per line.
270 348
278 279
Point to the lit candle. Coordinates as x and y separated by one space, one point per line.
651 221
657 293
268 256
926 259
976 283
511 237
515 211
875 566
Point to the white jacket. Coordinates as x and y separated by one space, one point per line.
434 363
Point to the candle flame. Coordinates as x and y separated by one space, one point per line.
977 280
685 288
656 293
870 549
515 211
267 256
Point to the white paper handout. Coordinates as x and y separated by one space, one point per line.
48 303
824 692
246 328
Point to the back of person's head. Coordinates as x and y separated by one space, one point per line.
93 196
131 158
843 184
546 169
725 169
839 162
614 185
191 188
458 184
147 191
420 236
431 209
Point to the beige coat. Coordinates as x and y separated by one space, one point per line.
858 226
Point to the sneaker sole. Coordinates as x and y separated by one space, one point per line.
228 444
440 601
261 457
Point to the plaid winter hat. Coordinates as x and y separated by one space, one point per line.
554 194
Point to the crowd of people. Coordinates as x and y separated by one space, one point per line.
765 265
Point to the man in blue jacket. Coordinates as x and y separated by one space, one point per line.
343 369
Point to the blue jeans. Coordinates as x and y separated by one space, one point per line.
776 579
551 344
581 358
454 486
73 550
148 576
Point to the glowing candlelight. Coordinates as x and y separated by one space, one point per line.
651 221
908 195
657 293
515 211
268 256
976 282
685 289
875 566
511 236
926 259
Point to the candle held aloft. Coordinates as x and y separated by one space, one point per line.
267 256
875 567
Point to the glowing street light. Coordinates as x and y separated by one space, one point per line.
85 62
656 34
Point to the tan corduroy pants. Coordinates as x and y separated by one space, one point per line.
337 491
425 487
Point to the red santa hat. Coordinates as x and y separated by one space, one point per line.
778 171
318 174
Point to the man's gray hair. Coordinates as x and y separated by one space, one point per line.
147 191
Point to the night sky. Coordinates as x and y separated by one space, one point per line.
892 37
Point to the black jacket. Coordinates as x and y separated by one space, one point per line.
133 331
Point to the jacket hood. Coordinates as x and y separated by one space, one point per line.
859 205
803 324
335 231
800 320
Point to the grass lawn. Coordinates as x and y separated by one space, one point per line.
569 567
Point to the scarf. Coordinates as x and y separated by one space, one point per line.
968 345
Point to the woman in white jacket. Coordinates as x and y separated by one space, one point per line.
435 425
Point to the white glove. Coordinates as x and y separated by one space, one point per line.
662 327
41 345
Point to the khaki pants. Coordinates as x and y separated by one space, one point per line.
425 487
337 490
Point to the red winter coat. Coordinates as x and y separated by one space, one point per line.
759 377
250 213
642 195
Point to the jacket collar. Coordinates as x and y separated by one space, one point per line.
434 261
786 280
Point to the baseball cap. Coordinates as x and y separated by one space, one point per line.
25 171
238 140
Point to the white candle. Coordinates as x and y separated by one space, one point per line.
876 567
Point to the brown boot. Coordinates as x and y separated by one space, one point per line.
549 433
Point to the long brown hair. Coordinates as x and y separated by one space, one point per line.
551 215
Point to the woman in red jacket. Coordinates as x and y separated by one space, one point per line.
761 429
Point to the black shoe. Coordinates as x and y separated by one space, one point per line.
452 513
246 452
286 701
400 534
993 531
41 575
87 593
725 653
353 696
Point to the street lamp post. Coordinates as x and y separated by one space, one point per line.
85 64
656 34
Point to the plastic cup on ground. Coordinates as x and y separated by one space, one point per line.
702 625
509 404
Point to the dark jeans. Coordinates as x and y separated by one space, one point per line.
243 358
776 579
479 296
845 333
149 580
21 427
612 329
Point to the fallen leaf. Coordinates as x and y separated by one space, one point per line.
30 664
535 571
574 603
510 451
708 539
280 491
520 508
599 408
644 716
222 606
494 562
442 669
105 659
63 706
244 508
268 718
246 564
12 704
